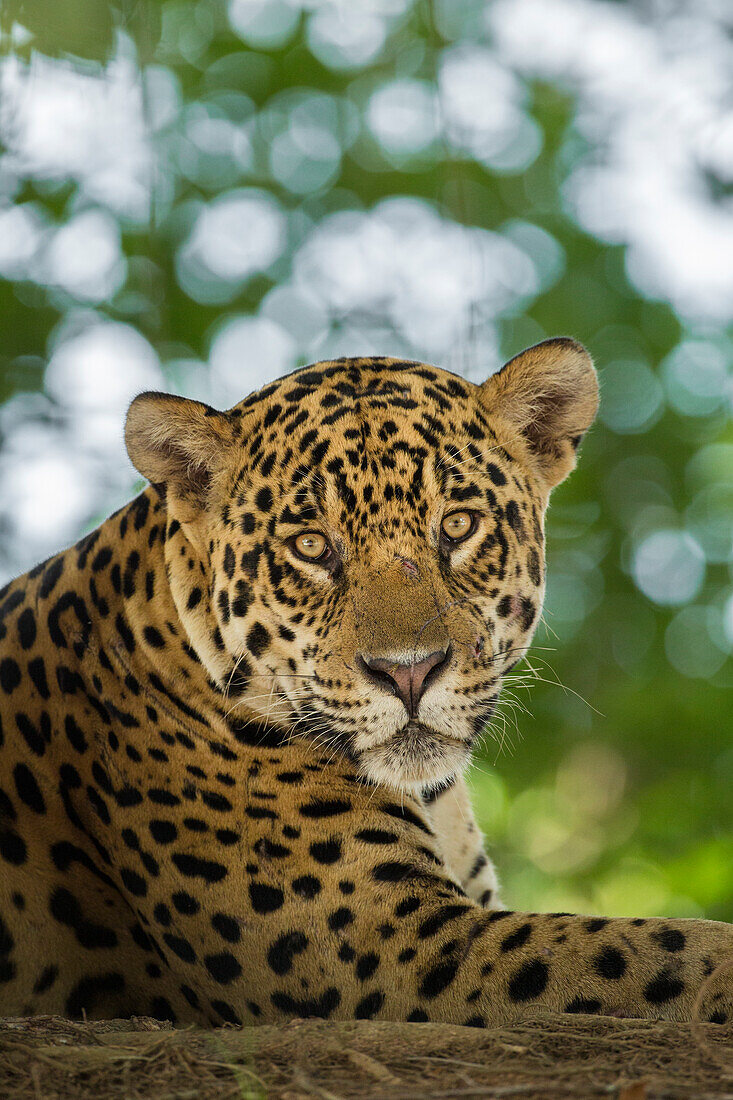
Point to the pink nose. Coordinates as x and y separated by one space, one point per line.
408 681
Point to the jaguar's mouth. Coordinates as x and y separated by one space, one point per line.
414 757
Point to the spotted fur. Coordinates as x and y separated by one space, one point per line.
224 795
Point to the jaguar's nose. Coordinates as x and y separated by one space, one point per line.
408 680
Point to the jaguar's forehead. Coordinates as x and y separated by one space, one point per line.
393 412
330 391
353 435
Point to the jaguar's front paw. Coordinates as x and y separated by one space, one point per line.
714 1002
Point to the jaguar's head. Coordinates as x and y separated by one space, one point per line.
368 543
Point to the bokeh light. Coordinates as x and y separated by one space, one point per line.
669 567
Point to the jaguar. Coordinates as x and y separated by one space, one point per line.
237 717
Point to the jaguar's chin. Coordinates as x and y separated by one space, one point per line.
415 757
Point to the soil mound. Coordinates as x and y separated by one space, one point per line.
49 1058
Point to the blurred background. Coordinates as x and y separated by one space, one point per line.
199 195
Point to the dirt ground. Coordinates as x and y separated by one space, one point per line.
48 1058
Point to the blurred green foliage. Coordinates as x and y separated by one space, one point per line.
608 785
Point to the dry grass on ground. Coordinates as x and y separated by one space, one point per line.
48 1058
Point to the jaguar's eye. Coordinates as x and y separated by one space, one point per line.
311 546
458 526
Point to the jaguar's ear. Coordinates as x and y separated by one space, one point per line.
548 396
178 443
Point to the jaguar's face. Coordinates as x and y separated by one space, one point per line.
375 552
391 558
